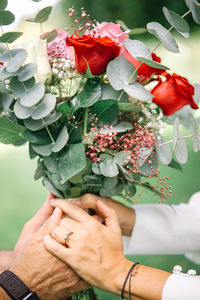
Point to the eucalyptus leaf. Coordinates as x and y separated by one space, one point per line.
90 94
62 140
149 169
6 17
43 14
196 135
7 55
152 63
138 30
44 108
7 99
120 72
33 95
144 154
3 4
10 132
4 74
165 154
163 35
51 164
72 161
109 168
44 150
52 188
176 129
96 168
195 9
122 158
10 37
106 111
18 88
177 22
34 125
39 137
137 48
39 171
121 127
50 36
16 61
180 150
136 90
129 107
27 71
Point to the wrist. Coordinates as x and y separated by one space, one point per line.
128 222
6 258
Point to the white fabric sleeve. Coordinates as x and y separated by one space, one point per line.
179 287
161 229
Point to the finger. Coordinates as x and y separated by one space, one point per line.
62 236
71 210
51 222
57 249
109 215
87 201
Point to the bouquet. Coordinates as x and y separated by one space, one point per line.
92 104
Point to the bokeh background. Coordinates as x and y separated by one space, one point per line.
20 195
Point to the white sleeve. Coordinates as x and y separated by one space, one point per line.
179 287
161 229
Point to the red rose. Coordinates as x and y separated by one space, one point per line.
97 52
144 72
173 94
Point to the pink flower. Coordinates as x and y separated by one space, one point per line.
111 30
58 47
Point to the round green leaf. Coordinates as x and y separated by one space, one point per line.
165 154
45 107
137 48
10 132
22 112
6 17
177 22
7 55
16 61
96 168
137 91
10 37
152 63
109 168
52 188
4 74
61 140
90 94
119 72
50 36
17 87
180 150
44 150
121 158
3 4
195 9
33 95
27 71
163 35
40 137
34 125
7 99
43 14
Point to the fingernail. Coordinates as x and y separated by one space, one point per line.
55 212
52 201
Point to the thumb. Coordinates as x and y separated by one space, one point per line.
109 215
51 222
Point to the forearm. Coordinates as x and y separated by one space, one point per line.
147 283
5 260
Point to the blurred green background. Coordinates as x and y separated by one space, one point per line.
21 196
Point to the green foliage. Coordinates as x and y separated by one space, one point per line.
50 36
10 132
106 111
6 17
90 94
42 16
3 4
10 37
195 9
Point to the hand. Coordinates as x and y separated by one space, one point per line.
125 215
43 273
95 250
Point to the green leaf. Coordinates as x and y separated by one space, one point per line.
144 154
122 158
106 111
33 95
10 37
27 71
177 22
51 164
180 150
137 91
149 169
10 132
137 48
39 137
39 172
72 161
196 136
64 108
6 17
138 30
35 125
152 63
165 154
52 188
3 4
44 150
18 88
194 6
43 14
121 127
7 99
16 61
109 168
175 165
50 36
119 72
4 74
44 108
163 35
129 107
96 168
90 94
62 140
22 112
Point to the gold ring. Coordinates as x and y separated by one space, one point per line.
66 237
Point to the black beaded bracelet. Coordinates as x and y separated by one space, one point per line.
126 279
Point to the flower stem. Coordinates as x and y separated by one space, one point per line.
50 135
85 121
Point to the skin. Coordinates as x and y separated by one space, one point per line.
43 273
95 252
